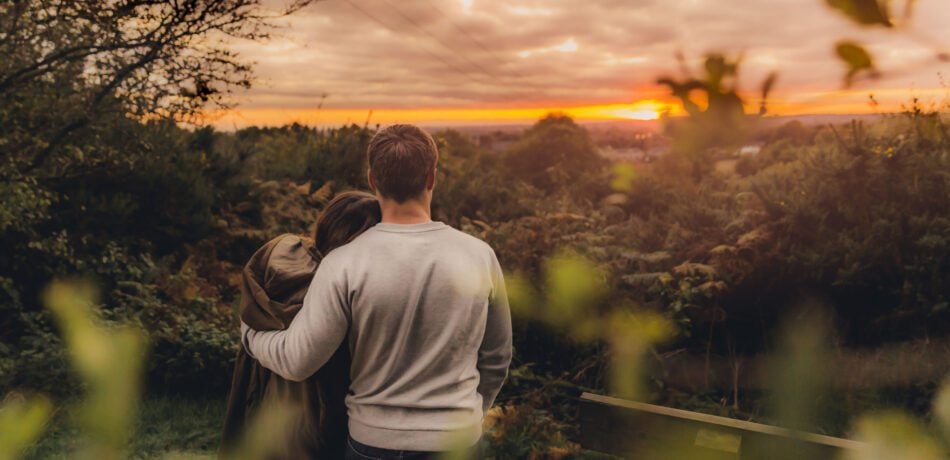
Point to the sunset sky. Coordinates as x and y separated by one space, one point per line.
449 62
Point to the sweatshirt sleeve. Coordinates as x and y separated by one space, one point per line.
494 354
314 334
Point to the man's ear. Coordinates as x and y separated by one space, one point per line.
369 178
430 179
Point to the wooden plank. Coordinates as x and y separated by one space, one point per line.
637 430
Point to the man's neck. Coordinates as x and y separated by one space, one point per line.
406 213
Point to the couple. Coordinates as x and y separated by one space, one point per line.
390 333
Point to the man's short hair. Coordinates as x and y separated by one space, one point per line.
400 158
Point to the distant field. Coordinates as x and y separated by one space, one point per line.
168 428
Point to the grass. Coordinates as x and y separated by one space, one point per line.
168 427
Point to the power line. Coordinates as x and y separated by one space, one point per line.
453 50
482 45
472 38
376 19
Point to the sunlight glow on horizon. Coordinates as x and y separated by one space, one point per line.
821 103
496 62
649 109
641 110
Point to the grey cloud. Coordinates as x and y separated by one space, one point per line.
336 49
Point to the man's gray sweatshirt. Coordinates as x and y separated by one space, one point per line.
429 331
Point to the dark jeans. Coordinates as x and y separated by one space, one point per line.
358 451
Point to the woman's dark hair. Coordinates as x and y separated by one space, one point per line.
345 217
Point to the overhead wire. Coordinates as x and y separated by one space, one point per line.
471 37
460 54
438 40
386 25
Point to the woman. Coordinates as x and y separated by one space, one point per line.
275 281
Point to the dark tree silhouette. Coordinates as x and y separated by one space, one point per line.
70 63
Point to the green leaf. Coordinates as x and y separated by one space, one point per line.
941 409
894 435
522 296
864 12
21 423
573 285
109 360
856 58
623 177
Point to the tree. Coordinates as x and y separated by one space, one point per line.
553 152
70 65
96 179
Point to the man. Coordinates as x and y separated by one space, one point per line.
423 307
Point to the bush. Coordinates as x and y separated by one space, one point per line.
553 153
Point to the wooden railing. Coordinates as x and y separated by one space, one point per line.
636 430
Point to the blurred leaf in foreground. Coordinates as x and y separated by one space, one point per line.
942 410
798 375
575 286
631 334
21 422
799 371
623 175
894 436
522 296
865 12
267 434
856 58
575 289
716 112
109 360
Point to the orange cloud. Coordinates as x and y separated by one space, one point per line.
485 61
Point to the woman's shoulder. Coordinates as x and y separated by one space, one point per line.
291 240
292 246
275 281
285 255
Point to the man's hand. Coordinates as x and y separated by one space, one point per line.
314 334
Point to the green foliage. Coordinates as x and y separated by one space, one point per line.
22 203
847 215
191 331
573 303
895 435
109 361
875 13
474 186
857 59
867 12
96 177
304 154
554 152
623 177
644 254
799 374
21 422
716 118
526 431
607 261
